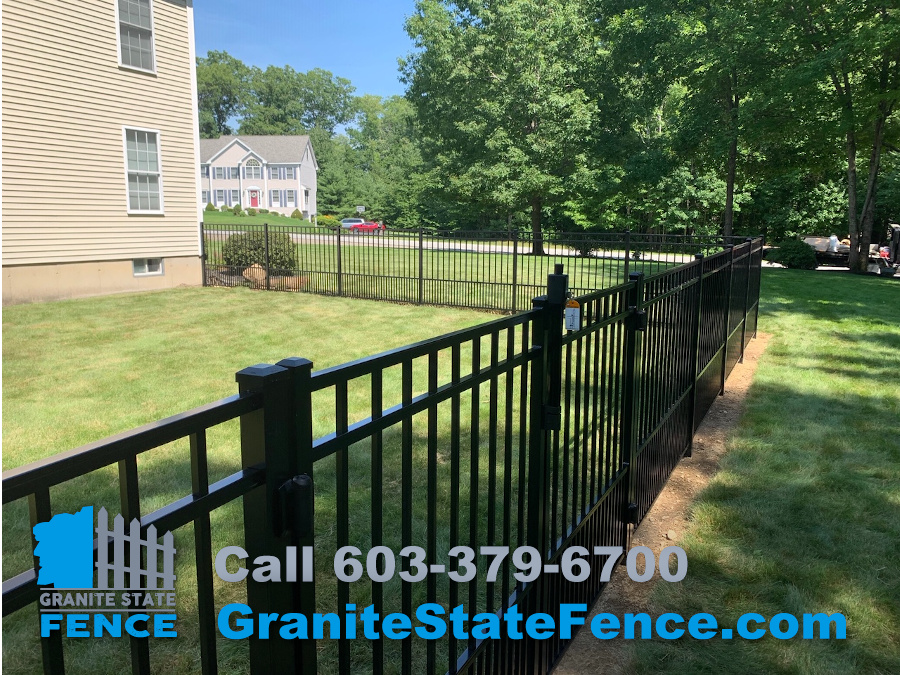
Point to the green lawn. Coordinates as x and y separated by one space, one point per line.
77 371
228 218
805 514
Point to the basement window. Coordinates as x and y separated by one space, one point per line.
147 267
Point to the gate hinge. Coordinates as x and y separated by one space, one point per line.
636 319
632 514
552 418
296 507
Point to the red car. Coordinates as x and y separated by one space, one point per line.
372 228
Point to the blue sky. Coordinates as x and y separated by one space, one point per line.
352 38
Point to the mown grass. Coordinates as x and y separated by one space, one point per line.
80 370
804 516
228 218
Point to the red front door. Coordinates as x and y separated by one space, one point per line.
254 198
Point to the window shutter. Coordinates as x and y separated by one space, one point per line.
283 200
283 173
270 197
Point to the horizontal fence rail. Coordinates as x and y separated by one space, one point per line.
516 432
487 270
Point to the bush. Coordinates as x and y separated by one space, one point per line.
236 209
794 254
296 214
242 214
243 250
251 212
210 207
583 243
329 221
224 209
264 210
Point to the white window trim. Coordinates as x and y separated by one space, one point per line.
162 268
259 166
119 42
162 204
216 197
287 197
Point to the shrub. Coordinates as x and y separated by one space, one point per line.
583 243
242 214
794 254
236 210
251 212
224 209
329 221
264 210
210 207
243 250
296 214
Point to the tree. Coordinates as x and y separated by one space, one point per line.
843 57
284 101
499 87
222 82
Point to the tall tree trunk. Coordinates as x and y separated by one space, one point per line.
851 202
868 211
537 242
733 103
728 224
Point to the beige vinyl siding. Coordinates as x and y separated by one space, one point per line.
65 102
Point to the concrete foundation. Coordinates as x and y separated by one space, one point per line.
33 283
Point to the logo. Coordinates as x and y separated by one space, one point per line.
135 588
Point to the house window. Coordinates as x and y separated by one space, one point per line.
289 200
289 172
276 196
235 172
204 171
143 169
254 169
136 34
235 196
218 173
306 198
204 196
220 197
147 267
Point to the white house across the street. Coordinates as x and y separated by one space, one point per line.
277 173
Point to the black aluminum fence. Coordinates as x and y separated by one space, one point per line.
490 270
512 433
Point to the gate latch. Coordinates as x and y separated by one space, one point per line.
636 319
296 506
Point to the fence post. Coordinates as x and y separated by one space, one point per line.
266 233
544 417
758 283
727 318
203 255
515 271
627 253
748 265
695 347
421 267
635 323
297 496
340 278
266 442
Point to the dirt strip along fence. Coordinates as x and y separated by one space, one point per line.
488 270
515 432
